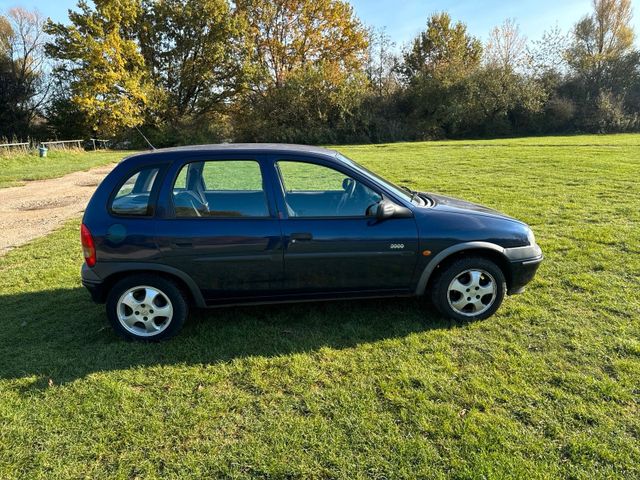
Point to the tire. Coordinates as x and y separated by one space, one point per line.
453 289
136 304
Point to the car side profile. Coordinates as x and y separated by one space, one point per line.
219 225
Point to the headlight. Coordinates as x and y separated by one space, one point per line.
531 237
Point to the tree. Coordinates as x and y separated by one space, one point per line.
286 35
381 63
501 101
547 55
307 58
444 51
504 98
378 114
65 119
506 47
23 89
602 39
546 66
605 63
102 61
194 51
317 104
436 69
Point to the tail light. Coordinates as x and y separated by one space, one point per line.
88 247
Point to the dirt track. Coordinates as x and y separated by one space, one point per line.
37 208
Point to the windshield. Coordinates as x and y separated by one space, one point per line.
398 191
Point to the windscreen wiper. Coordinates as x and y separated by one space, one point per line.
413 193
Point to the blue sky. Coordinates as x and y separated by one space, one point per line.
403 19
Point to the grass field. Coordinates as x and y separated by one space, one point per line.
15 169
547 388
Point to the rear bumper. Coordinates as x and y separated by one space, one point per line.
96 291
523 264
93 283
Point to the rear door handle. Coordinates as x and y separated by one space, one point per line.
300 237
183 244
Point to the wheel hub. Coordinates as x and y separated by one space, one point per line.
472 292
144 311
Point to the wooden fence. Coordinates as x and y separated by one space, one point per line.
53 145
62 144
98 142
18 146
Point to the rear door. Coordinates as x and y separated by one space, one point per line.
331 244
220 227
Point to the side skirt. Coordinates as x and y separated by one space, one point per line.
307 297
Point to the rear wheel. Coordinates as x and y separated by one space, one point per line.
146 307
471 288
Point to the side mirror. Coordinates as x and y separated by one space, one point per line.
387 209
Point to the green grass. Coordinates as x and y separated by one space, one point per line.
17 168
547 388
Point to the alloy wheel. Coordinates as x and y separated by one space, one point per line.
144 311
472 292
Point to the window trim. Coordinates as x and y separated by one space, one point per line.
312 161
153 193
171 214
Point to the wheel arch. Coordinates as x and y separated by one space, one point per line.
184 282
488 250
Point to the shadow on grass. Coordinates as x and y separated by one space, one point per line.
61 335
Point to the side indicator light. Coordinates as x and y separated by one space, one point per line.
426 253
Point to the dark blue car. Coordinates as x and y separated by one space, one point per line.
240 224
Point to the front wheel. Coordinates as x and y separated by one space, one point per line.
146 307
471 288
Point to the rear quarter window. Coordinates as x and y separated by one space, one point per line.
134 195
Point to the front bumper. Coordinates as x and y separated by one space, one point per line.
523 265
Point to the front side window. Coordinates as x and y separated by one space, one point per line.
313 190
220 188
133 197
398 191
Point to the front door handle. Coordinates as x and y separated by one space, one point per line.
300 237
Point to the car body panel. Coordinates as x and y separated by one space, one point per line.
226 257
282 258
343 254
456 205
349 254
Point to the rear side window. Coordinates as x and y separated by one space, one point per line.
133 197
220 188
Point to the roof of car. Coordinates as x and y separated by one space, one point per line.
248 147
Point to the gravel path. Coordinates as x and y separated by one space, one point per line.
37 208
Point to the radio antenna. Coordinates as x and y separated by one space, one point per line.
123 91
145 138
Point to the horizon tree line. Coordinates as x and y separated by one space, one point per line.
303 71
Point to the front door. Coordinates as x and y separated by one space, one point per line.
222 229
332 242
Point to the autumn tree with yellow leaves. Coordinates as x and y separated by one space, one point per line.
98 52
306 71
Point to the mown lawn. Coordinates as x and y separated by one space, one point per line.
15 169
547 388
